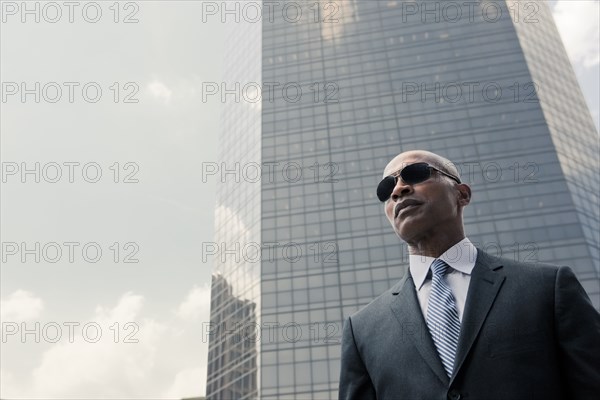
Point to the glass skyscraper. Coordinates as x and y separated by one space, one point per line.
346 86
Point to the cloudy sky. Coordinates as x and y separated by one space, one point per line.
120 290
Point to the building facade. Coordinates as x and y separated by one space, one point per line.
346 86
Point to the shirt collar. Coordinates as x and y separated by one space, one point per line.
460 257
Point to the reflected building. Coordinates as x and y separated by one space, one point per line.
233 343
348 86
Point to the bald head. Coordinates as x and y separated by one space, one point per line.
412 156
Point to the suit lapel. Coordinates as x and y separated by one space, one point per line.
485 284
406 309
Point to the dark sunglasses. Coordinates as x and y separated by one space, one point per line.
411 175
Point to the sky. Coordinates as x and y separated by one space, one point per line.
117 304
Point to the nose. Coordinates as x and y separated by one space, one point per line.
400 190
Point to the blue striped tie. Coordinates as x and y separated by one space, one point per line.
442 317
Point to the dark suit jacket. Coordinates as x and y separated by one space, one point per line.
529 331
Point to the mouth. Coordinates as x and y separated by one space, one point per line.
405 206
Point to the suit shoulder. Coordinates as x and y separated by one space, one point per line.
376 307
520 268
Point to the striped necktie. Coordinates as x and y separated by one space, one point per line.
442 317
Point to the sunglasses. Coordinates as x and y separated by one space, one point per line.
411 175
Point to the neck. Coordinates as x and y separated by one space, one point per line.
435 246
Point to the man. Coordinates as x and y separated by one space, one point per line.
463 324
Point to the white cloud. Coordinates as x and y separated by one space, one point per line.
166 360
196 305
160 91
579 27
188 383
127 308
7 381
103 369
236 228
20 306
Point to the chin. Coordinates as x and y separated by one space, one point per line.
403 232
407 231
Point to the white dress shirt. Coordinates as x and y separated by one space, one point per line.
461 259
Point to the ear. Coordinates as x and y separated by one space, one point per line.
464 194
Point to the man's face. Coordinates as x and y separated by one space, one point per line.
417 211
